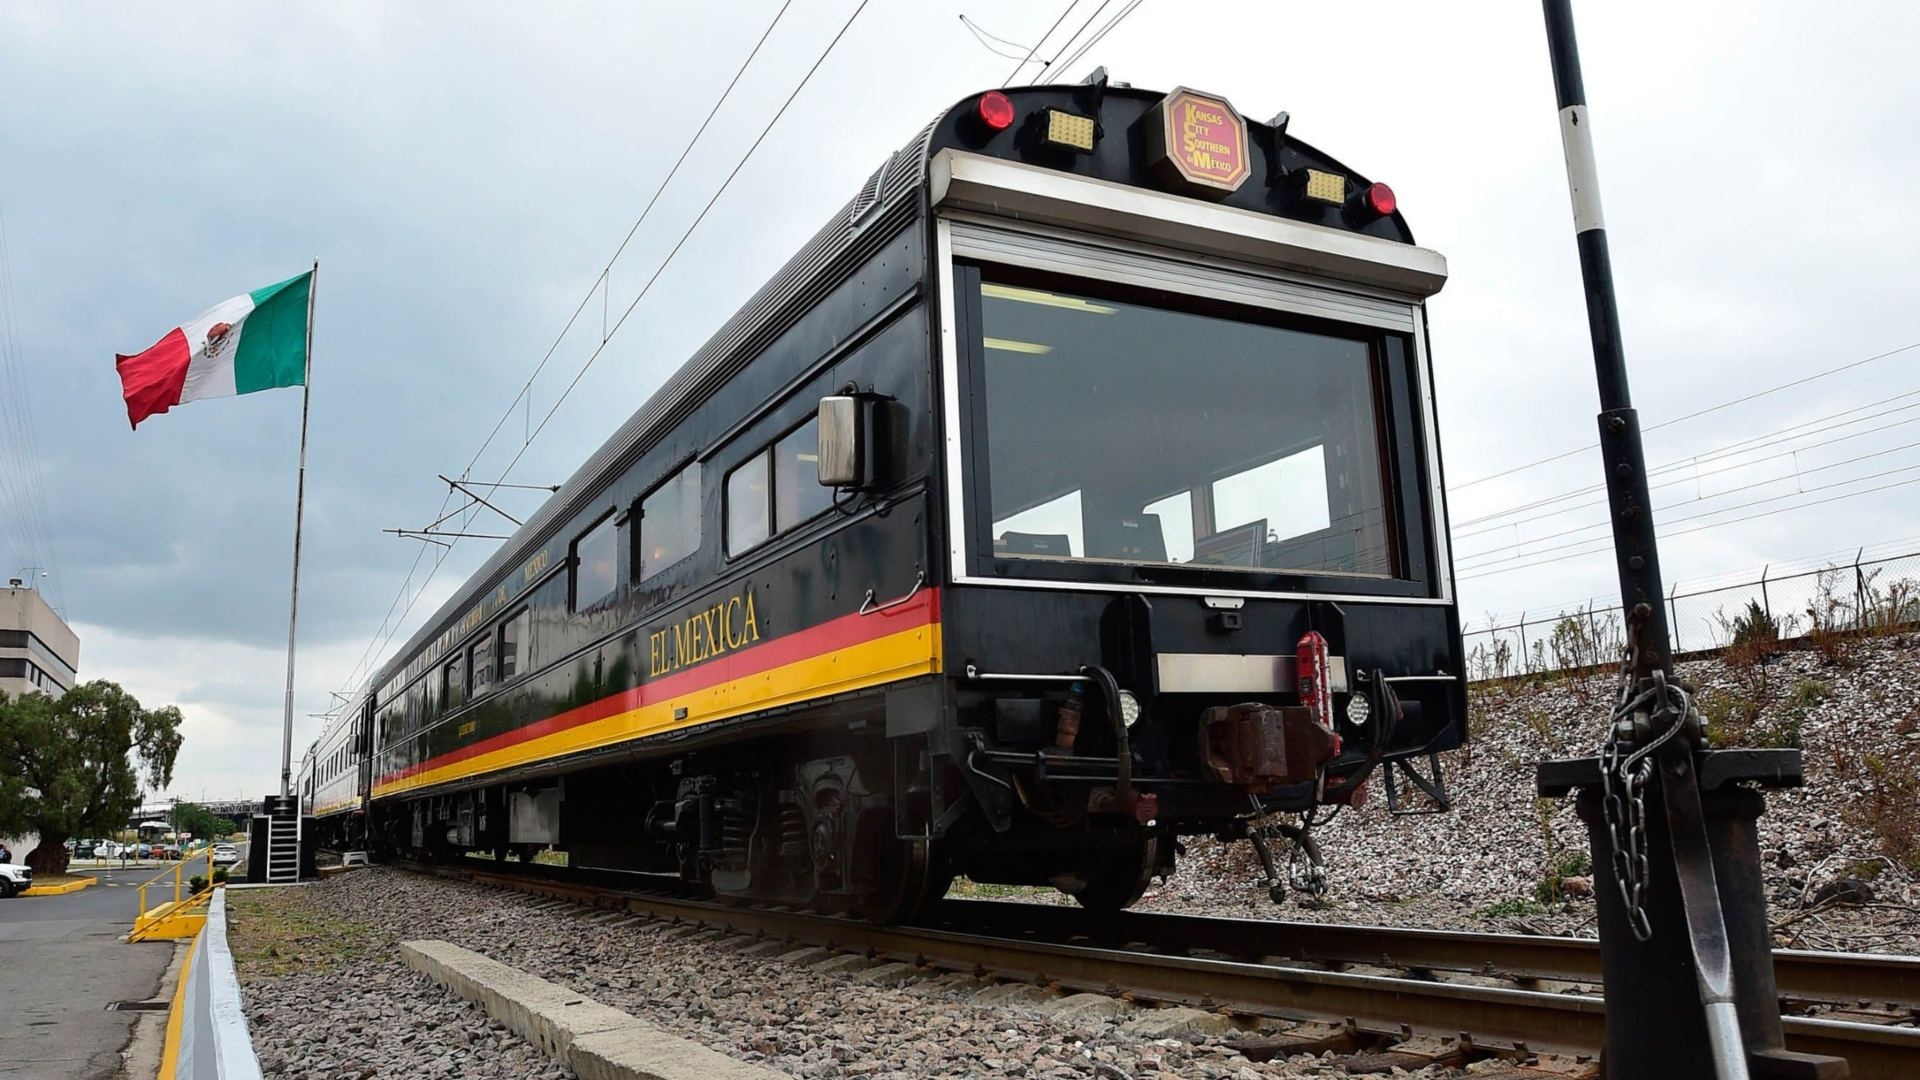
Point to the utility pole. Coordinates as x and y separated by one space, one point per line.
1670 823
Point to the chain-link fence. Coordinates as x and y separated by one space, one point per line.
1876 594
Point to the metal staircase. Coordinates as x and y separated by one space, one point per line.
283 840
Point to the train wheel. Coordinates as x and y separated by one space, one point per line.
1117 883
912 876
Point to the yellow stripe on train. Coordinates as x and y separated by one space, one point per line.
856 667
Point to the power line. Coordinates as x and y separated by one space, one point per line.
1868 554
1692 415
1693 477
1732 449
1028 59
609 334
1701 528
1709 498
1111 24
599 285
982 36
1606 542
19 452
684 236
1047 65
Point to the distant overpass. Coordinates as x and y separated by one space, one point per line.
239 811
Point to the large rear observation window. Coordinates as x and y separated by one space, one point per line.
1128 431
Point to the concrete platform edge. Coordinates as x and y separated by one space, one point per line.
596 1041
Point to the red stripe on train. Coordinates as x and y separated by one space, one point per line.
840 633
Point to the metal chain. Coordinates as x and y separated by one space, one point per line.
1625 770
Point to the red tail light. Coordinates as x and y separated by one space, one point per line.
996 110
1380 199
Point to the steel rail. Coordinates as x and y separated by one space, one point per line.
1392 1006
1801 975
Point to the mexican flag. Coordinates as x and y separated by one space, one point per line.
254 341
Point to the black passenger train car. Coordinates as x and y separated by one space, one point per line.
1074 489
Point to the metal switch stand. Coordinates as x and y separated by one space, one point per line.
1656 1024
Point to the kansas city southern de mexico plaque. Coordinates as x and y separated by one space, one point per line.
1198 142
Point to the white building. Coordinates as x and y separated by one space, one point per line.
38 650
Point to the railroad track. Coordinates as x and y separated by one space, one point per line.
1419 995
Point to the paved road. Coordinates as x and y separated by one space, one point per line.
62 962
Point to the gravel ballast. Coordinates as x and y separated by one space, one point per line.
1478 866
336 1001
327 995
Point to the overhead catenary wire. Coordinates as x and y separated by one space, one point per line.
1732 449
987 40
1709 498
1729 579
442 553
1048 64
688 233
1696 476
600 284
1665 534
21 476
1531 559
1028 59
1111 25
1696 414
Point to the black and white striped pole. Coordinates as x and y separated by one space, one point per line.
1619 424
1685 944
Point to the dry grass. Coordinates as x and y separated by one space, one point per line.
1890 809
277 932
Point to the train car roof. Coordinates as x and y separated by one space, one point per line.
895 191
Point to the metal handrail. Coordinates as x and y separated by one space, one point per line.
177 870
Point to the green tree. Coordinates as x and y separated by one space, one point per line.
197 821
73 765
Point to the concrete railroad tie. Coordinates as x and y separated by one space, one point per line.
598 1042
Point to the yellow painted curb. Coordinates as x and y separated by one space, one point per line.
61 890
176 1017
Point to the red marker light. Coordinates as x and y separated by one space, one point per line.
996 110
1380 199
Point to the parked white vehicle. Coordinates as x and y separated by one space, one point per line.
111 849
224 855
15 879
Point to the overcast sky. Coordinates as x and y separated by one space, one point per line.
464 172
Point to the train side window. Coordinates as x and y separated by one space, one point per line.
453 682
749 508
596 569
798 495
480 664
670 522
515 647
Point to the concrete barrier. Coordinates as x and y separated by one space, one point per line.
598 1042
207 1037
61 889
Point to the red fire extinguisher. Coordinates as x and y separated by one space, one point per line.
1316 685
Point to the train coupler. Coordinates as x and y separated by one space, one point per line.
1141 806
1258 746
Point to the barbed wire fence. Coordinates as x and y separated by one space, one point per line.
1874 595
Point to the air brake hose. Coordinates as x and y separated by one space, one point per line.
1390 714
1123 770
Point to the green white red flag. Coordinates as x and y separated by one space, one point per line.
254 341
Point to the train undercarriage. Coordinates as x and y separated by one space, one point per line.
849 819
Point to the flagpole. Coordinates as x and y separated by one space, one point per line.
299 513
